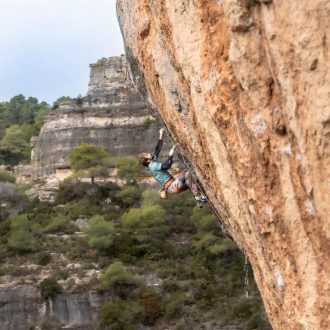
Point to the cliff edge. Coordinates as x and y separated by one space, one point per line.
243 87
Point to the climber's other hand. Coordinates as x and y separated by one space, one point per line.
171 153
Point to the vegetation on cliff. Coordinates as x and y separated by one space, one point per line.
20 119
161 262
88 160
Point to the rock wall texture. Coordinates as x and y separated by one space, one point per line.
22 173
22 307
112 115
243 87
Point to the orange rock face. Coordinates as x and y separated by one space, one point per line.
244 87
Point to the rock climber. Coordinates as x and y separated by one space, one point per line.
171 185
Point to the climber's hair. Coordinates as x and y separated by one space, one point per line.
144 159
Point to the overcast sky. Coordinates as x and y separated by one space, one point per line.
46 46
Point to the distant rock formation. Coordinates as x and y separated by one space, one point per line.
22 307
22 173
112 115
243 87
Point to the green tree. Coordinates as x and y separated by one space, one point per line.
26 114
42 113
49 287
14 147
120 315
146 223
59 223
209 239
60 100
100 232
128 195
118 279
128 168
7 177
16 104
204 220
23 236
91 161
151 197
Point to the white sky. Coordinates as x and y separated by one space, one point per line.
46 46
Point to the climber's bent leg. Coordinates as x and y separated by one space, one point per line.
190 182
178 185
198 195
183 182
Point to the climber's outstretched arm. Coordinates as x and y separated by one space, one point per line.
159 145
168 163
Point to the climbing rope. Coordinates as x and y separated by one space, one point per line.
225 231
223 226
246 280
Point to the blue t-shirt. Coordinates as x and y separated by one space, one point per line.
160 175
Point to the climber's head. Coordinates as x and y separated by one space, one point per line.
145 159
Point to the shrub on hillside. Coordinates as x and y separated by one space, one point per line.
4 230
204 220
255 322
209 239
128 195
128 168
49 287
146 223
245 309
174 307
43 258
119 280
126 248
23 235
152 310
59 223
100 233
170 286
71 190
88 160
14 147
7 177
178 210
120 315
203 290
82 208
151 197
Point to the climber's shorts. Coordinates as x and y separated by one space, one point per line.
178 185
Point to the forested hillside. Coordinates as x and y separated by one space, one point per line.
160 262
20 119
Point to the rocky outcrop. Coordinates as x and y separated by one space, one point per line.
22 173
112 115
22 307
243 87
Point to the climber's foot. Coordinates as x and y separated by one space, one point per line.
201 200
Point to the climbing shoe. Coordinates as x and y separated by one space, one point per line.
201 200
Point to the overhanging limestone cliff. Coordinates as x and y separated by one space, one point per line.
243 87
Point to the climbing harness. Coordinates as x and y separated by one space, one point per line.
163 192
